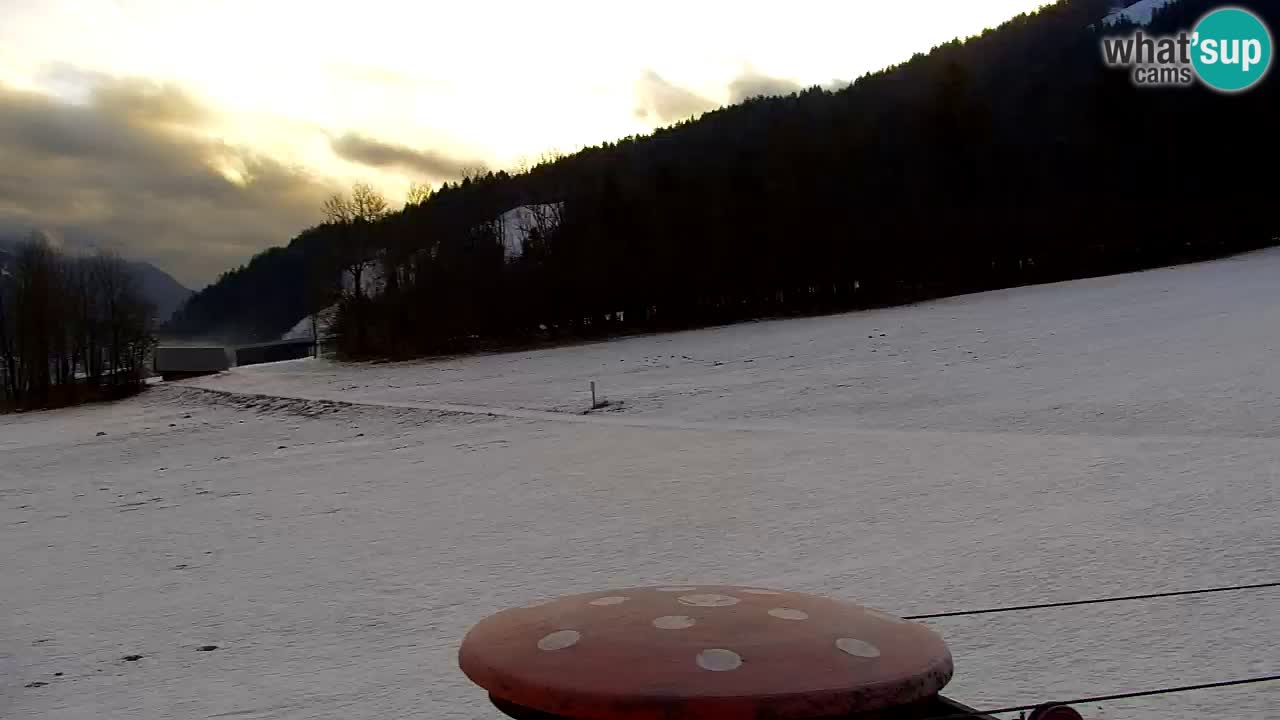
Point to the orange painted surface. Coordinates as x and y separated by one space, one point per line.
705 652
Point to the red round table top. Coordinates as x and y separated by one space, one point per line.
711 652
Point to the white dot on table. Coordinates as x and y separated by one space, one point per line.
611 600
858 648
674 622
789 614
560 640
719 660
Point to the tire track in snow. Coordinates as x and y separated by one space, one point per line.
305 403
312 401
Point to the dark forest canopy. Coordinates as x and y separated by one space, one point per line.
1011 158
257 301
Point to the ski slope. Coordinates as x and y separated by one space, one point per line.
1138 13
334 530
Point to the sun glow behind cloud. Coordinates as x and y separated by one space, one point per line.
461 84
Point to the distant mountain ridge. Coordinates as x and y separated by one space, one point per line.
158 287
161 288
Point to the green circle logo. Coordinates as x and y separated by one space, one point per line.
1232 49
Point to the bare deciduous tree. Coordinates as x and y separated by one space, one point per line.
67 324
8 354
337 209
355 215
418 193
367 204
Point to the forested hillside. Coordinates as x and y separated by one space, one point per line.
1012 158
258 301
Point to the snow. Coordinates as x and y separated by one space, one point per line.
303 330
335 530
1139 13
515 226
518 222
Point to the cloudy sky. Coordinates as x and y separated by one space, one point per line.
194 133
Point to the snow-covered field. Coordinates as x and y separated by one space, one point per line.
1101 437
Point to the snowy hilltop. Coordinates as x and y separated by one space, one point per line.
1139 13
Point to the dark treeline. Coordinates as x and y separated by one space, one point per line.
72 328
258 301
1012 158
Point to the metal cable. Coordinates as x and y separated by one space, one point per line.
1095 601
1114 696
